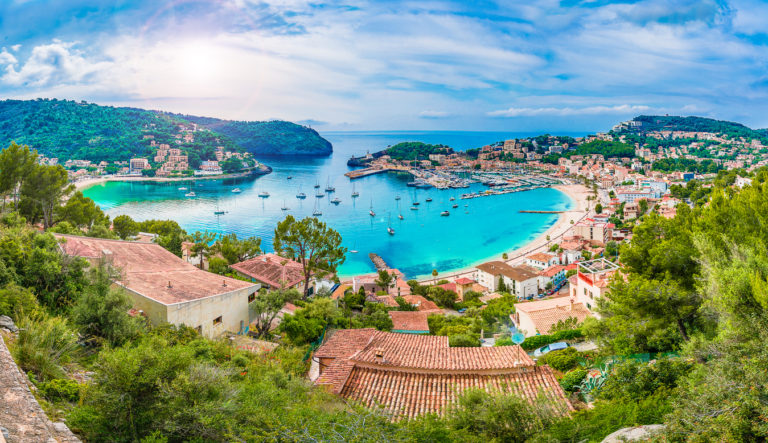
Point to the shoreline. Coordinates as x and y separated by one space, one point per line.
576 192
89 182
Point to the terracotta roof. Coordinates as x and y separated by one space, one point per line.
422 304
464 281
409 321
552 270
409 375
448 286
517 273
150 270
547 313
272 269
541 256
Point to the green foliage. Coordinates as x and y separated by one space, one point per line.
101 312
695 124
231 165
311 243
235 250
706 166
463 341
308 323
571 381
218 265
538 341
82 212
42 190
631 380
16 302
202 245
16 163
562 360
606 148
44 346
443 297
60 389
415 151
125 227
266 307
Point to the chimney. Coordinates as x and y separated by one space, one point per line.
571 298
169 284
379 353
224 283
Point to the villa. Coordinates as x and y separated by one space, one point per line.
521 280
592 280
408 375
274 272
409 322
538 317
541 260
166 289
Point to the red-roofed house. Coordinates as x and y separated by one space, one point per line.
553 274
408 375
538 317
274 272
541 260
409 322
167 289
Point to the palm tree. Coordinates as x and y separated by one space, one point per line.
434 274
504 256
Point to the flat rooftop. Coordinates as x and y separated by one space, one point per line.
150 270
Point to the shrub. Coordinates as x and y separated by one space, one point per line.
571 381
16 301
44 345
505 341
60 389
538 341
218 265
562 360
463 341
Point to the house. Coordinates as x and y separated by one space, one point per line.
592 280
538 317
274 272
541 260
420 303
408 375
520 280
409 322
553 274
460 286
398 286
167 289
596 231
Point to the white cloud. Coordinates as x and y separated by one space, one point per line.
434 114
567 111
54 63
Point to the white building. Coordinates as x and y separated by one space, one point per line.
521 281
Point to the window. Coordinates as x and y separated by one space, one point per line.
251 297
217 321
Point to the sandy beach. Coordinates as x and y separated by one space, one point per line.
88 182
578 193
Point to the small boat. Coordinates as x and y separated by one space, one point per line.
284 207
397 197
466 206
355 194
290 177
414 208
452 199
336 201
354 251
328 187
317 213
445 214
416 203
183 188
301 195
190 194
319 195
219 212
263 194
455 206
237 191
390 231
373 214
400 216
429 199
317 184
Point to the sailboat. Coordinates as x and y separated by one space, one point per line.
237 191
316 212
355 194
301 195
373 214
400 216
336 201
317 184
328 187
397 197
284 208
353 250
429 199
390 231
263 194
218 211
452 199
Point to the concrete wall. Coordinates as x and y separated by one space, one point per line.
156 312
232 307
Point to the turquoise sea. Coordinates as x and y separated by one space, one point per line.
423 240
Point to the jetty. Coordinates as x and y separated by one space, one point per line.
360 173
541 212
378 261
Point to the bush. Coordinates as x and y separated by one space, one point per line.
44 346
16 301
218 265
571 381
60 389
538 341
562 360
463 341
505 341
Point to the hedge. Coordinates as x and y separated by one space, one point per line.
538 341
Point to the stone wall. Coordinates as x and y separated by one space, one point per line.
21 416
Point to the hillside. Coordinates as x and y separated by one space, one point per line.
69 130
268 138
693 124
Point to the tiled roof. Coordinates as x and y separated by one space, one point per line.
517 273
409 321
552 270
422 304
464 281
546 313
409 375
150 270
272 269
541 256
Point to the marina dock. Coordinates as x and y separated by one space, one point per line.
360 173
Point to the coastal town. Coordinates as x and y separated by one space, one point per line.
409 346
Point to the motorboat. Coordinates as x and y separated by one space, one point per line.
183 188
263 194
455 206
429 199
445 214
237 191
414 208
336 201
400 216
301 195
190 194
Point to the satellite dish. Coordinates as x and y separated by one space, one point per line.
518 338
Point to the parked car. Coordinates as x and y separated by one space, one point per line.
549 348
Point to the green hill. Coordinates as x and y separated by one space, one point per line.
694 124
68 129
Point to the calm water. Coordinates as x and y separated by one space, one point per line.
423 241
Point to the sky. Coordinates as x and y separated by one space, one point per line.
481 65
